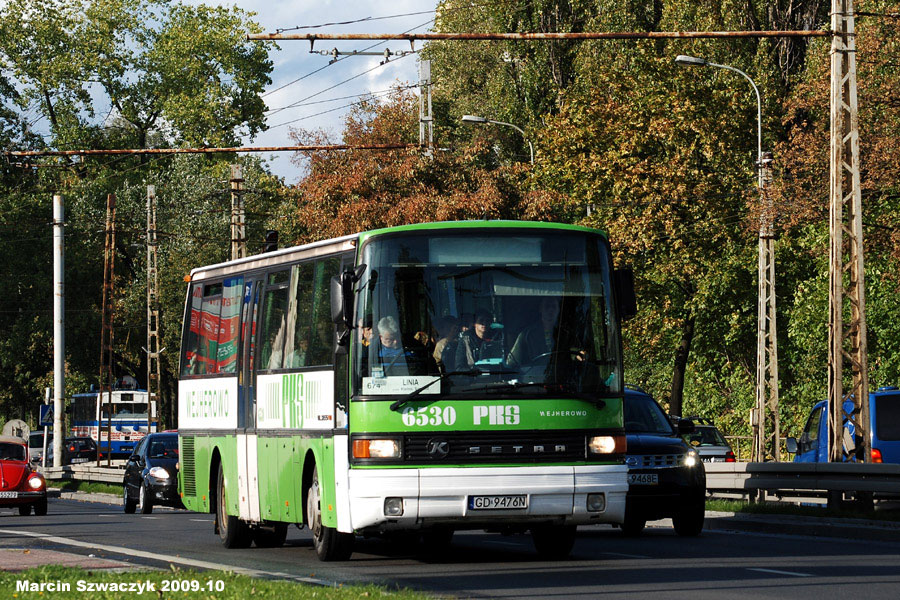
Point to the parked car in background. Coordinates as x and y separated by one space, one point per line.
151 477
709 442
36 445
20 485
666 478
884 426
75 450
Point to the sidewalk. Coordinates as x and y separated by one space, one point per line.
855 529
20 559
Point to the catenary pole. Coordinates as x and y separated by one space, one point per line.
59 340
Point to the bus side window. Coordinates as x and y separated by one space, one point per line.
322 342
299 321
272 324
227 346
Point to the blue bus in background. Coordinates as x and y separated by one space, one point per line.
128 419
884 416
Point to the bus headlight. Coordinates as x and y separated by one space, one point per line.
376 448
607 444
690 459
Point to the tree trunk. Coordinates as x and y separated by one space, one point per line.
676 395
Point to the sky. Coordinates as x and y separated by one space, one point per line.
328 89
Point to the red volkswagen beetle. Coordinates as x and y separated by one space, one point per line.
19 484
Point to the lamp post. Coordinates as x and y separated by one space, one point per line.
766 337
481 120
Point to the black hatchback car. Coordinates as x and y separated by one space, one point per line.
666 478
150 474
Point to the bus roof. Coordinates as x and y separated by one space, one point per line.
257 261
349 242
479 224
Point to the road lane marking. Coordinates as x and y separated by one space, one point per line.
149 517
179 560
202 520
780 572
625 555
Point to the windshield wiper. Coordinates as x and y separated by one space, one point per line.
401 401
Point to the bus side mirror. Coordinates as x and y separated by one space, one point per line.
342 300
626 300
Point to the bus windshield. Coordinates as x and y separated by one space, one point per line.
465 313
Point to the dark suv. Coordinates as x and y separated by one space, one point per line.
665 475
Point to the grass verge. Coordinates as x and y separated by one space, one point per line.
194 585
90 487
773 508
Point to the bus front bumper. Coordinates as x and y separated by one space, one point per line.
567 495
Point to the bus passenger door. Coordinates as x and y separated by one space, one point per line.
248 490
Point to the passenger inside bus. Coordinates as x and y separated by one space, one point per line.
483 343
395 355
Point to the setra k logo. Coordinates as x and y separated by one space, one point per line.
437 448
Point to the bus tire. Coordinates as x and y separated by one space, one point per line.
271 535
329 543
233 532
554 542
145 501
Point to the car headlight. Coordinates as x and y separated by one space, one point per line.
376 448
36 482
158 473
690 459
607 444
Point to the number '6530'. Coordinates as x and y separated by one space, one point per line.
429 415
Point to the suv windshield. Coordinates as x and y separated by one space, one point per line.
517 312
643 415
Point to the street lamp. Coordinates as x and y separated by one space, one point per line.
766 335
474 119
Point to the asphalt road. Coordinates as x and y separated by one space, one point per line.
718 564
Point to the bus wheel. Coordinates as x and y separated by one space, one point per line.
554 542
330 544
271 535
233 532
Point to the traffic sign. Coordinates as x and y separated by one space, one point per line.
46 415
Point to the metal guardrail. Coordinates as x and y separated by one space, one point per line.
85 473
788 478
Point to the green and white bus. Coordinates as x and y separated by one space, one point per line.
314 389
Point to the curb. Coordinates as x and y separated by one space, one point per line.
824 527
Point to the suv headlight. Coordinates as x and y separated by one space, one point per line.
690 459
387 448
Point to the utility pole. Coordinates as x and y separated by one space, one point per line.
238 239
59 330
153 350
106 331
846 341
767 423
426 121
